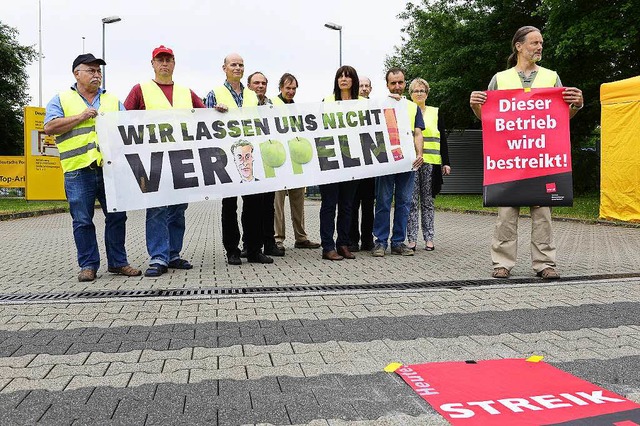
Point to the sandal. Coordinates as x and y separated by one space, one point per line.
180 264
548 274
500 273
428 247
155 270
412 246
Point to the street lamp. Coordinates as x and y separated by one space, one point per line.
105 21
338 28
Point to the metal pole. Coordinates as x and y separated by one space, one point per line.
39 53
340 46
82 44
104 74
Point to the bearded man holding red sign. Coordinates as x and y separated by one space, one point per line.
524 72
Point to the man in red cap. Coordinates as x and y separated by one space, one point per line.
70 115
165 225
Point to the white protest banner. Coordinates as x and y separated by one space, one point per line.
157 158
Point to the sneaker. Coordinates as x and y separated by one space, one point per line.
402 250
378 251
86 275
307 244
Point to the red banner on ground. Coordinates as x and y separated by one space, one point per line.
527 148
516 392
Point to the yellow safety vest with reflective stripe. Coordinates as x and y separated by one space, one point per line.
510 79
78 147
224 97
431 136
154 97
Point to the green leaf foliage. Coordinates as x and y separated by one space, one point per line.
14 59
458 45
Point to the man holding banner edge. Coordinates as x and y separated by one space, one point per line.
71 116
525 73
165 225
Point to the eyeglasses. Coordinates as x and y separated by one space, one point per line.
92 71
163 60
419 91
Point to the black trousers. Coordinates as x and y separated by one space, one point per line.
365 198
251 218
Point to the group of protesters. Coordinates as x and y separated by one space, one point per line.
71 114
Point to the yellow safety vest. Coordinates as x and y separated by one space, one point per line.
78 147
224 97
510 79
277 101
431 136
154 97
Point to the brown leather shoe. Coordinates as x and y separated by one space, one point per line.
306 244
126 270
345 252
86 275
331 255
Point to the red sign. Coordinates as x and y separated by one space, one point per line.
526 148
515 392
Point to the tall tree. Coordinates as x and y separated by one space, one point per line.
14 59
591 43
457 46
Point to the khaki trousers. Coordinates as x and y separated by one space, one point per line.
504 244
296 203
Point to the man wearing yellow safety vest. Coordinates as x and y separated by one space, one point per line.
524 72
288 86
399 186
165 226
232 94
70 115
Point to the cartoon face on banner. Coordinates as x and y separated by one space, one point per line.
243 157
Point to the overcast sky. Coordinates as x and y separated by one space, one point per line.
274 37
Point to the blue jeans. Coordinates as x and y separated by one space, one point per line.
334 195
400 187
165 233
82 187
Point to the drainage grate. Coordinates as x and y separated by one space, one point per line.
226 291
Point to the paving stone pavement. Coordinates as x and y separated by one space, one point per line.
300 358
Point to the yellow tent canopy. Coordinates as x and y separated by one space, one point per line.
620 159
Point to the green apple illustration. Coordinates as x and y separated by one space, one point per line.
273 156
301 153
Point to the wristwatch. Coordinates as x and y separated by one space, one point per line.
575 108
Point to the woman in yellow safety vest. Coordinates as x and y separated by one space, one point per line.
428 178
341 194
